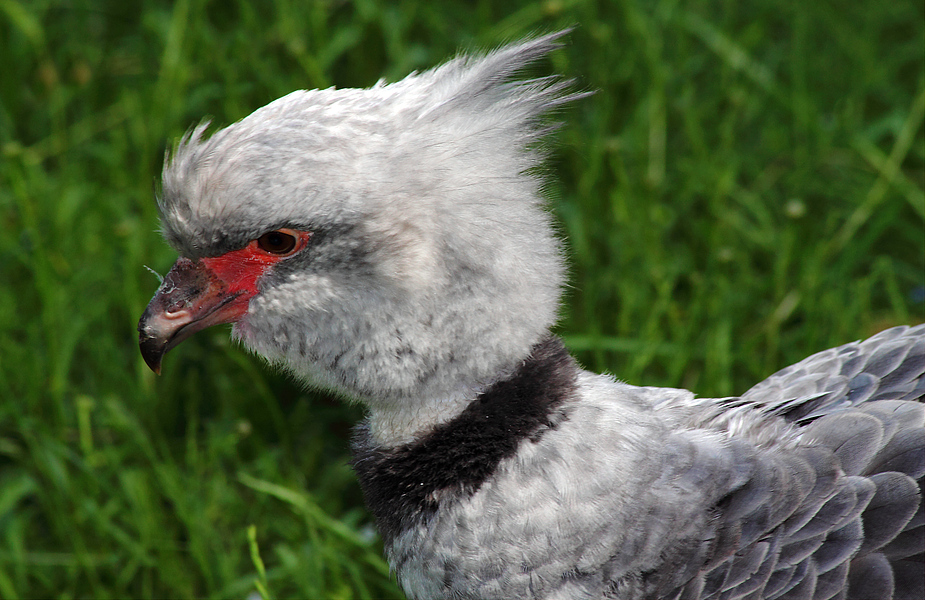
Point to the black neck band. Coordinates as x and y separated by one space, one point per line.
405 484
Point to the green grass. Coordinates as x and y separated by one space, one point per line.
745 188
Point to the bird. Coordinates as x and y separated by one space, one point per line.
392 245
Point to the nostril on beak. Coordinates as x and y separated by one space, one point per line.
180 313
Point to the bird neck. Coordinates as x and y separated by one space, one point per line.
403 482
404 420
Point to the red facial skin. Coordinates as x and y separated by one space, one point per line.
198 294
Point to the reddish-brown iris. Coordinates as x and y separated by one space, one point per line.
281 242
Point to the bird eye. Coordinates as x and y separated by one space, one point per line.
278 242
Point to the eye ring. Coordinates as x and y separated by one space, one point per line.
280 242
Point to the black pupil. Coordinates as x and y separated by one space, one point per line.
277 242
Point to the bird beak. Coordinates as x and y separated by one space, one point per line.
191 298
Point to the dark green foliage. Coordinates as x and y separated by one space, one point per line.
745 188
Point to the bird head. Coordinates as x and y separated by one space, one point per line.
387 243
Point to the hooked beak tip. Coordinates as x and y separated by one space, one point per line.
152 349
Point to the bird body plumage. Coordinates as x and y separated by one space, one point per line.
495 466
629 492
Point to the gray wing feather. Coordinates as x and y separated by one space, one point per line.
870 577
890 510
854 437
831 584
840 514
886 366
906 544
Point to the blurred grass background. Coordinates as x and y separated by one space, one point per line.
745 188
